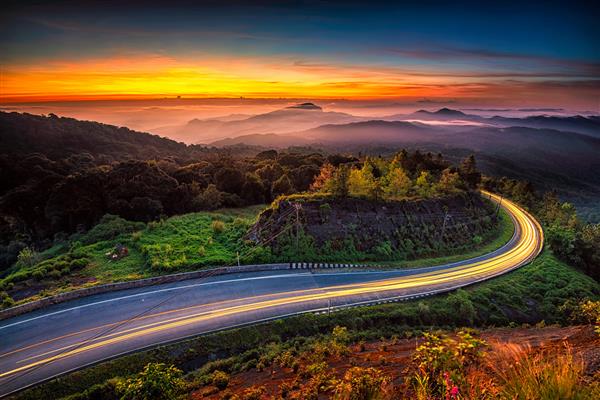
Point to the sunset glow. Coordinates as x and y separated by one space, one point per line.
62 53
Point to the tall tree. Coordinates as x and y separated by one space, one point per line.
469 173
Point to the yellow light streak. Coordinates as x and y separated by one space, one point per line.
529 246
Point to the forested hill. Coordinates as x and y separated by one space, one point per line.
59 137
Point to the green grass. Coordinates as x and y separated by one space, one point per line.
530 294
190 237
188 242
180 243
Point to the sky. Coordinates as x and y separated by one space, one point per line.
538 54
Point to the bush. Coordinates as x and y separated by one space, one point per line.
156 382
220 379
38 274
218 226
6 300
79 263
362 384
136 236
28 257
440 363
54 274
253 393
110 227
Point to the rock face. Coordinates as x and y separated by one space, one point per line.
409 227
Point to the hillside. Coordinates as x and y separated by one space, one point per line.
57 137
296 117
333 229
549 158
389 366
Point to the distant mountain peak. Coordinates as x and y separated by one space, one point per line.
449 111
306 106
443 111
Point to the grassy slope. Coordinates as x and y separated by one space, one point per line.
530 294
188 242
185 233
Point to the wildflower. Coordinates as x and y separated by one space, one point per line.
454 392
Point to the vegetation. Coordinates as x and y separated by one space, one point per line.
65 181
118 249
156 382
570 239
405 175
546 290
395 237
184 242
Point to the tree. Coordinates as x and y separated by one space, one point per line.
361 182
469 173
156 382
590 249
398 184
449 181
210 199
423 184
145 208
283 185
325 175
339 183
270 172
253 189
303 176
230 180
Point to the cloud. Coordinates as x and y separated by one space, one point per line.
444 53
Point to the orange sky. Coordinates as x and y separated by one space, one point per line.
147 76
151 76
63 50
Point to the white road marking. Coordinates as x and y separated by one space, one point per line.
413 270
194 285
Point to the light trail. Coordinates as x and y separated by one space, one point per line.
529 243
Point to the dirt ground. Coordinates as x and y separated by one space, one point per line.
392 359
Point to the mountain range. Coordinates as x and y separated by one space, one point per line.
289 119
555 153
295 125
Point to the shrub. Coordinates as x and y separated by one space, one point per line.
109 227
253 393
440 363
79 263
220 379
136 236
218 226
54 274
38 274
362 384
28 257
101 391
156 382
340 338
6 300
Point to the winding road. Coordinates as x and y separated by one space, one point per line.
49 342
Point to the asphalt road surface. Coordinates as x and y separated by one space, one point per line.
52 341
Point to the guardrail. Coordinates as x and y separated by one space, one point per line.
139 283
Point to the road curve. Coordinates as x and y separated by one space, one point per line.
46 343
